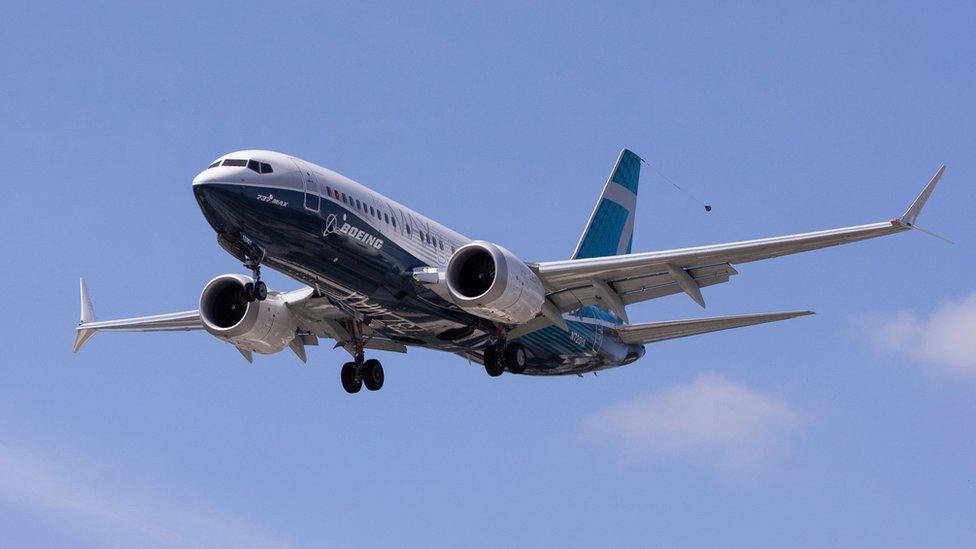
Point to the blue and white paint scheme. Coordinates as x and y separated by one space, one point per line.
378 275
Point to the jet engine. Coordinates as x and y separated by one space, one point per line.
261 326
489 281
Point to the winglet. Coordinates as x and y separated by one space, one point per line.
82 334
87 313
916 208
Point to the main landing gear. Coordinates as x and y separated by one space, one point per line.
361 372
500 357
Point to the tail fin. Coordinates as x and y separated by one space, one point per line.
610 230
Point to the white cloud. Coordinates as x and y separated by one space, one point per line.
72 493
710 418
946 339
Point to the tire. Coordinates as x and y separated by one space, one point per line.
515 358
493 365
261 291
372 374
249 291
350 382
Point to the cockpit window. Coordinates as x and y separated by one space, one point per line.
214 165
253 165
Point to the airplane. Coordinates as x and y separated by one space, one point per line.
378 276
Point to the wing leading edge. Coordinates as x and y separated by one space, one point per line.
316 318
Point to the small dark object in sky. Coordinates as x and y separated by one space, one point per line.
708 208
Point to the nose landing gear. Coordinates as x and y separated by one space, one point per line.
257 290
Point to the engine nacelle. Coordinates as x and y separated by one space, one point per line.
489 281
261 326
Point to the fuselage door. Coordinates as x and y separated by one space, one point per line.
311 188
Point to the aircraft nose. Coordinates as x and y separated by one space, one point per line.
206 176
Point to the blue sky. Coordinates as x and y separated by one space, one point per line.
849 428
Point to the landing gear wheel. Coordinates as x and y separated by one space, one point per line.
372 374
515 358
351 382
493 364
249 292
260 291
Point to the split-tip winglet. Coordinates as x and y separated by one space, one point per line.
87 313
82 334
916 208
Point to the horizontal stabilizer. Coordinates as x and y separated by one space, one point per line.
671 329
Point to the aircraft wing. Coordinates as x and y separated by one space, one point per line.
88 327
316 318
660 331
614 281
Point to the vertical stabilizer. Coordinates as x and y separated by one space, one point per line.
610 230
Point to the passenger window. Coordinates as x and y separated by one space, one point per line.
386 217
359 205
371 212
394 222
343 198
328 191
